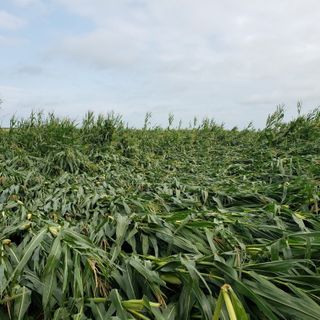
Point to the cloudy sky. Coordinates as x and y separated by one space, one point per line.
232 60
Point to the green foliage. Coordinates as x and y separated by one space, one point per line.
100 221
99 132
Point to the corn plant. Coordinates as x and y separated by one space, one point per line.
103 221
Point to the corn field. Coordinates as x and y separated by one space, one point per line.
103 221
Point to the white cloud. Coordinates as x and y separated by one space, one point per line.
207 51
25 3
249 39
10 21
30 70
6 41
108 47
11 93
10 96
232 59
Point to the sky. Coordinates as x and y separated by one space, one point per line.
233 60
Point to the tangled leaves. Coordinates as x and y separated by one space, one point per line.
105 222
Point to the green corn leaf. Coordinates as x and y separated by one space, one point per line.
98 311
50 272
36 240
21 303
116 301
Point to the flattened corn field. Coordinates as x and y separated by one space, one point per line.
101 221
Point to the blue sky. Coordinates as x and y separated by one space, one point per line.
232 60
